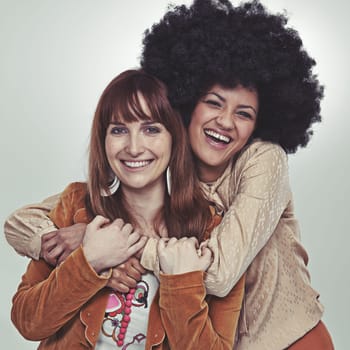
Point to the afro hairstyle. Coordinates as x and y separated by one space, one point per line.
213 42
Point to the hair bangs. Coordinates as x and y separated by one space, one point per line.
123 105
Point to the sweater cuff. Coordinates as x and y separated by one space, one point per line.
149 258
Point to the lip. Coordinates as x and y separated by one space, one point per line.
213 137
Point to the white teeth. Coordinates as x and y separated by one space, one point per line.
217 136
138 164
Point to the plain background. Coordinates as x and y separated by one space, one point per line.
56 58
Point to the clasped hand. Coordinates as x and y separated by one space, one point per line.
107 245
177 256
57 245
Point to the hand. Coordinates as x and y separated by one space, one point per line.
181 256
126 275
57 245
107 245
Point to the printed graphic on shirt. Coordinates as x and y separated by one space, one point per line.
125 322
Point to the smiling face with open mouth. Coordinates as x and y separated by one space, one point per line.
221 125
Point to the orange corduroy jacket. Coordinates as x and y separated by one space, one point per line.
63 307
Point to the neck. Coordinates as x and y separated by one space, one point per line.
210 174
145 204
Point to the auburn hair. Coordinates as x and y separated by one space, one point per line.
186 211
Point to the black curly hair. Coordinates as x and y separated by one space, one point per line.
213 42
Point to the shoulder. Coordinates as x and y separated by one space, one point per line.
71 201
74 195
75 190
264 149
262 154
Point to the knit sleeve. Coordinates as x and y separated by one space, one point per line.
149 258
24 228
261 193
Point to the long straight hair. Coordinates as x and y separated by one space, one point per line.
186 211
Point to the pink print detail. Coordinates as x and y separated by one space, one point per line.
115 304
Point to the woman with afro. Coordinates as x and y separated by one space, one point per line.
243 83
207 54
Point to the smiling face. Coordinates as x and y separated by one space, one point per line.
138 152
221 124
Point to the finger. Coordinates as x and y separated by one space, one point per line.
129 281
137 246
172 241
206 256
189 243
55 253
194 240
137 265
119 223
139 253
48 236
50 261
132 273
134 237
62 257
47 246
98 222
121 276
118 286
206 252
127 229
204 244
161 245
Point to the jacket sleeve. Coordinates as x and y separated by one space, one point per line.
262 193
47 297
24 228
193 322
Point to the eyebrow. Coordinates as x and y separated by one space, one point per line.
224 100
247 106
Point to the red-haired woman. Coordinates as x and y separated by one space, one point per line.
136 139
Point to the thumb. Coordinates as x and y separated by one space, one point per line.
206 254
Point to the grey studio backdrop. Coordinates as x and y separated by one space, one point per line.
56 58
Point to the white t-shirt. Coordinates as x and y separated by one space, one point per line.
126 317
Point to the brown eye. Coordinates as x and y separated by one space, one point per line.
245 115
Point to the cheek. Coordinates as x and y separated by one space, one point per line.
107 147
196 121
247 131
167 151
112 147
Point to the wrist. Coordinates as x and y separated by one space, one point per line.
93 260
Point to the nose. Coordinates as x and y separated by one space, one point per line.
135 145
225 120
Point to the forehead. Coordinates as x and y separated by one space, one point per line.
236 88
238 92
